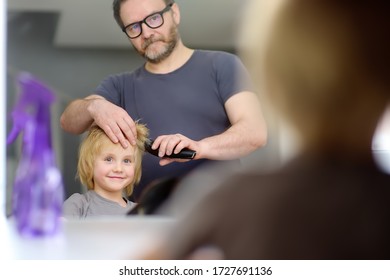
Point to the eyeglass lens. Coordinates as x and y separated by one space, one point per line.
152 21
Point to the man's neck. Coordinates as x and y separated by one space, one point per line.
178 58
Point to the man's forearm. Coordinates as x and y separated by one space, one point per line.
76 118
247 133
234 143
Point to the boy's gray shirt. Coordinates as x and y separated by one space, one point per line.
92 204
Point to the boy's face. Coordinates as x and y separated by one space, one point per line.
113 168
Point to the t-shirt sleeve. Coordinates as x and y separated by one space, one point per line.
232 76
73 207
110 88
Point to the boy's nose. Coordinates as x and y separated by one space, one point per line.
118 167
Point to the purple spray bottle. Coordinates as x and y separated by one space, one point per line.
38 188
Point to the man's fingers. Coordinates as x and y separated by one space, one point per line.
116 135
115 121
170 144
162 149
121 137
166 161
107 129
180 146
129 130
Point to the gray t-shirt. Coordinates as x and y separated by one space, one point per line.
91 204
190 101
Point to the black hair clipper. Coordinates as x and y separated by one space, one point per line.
183 154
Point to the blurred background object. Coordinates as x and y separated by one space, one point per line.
38 192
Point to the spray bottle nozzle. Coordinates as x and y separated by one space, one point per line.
33 93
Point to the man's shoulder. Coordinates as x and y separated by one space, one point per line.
119 80
219 59
123 75
217 54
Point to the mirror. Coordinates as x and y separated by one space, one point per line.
73 47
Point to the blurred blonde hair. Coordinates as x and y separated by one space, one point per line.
92 145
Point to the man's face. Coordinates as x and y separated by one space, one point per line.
153 44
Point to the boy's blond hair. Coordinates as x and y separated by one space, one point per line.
92 145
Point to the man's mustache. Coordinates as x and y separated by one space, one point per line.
150 41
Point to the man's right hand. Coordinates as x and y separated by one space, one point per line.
80 114
114 120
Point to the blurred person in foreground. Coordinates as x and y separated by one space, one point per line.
188 98
325 67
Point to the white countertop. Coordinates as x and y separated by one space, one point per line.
111 238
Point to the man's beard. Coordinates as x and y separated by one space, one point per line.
155 56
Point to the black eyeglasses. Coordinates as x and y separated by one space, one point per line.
155 20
